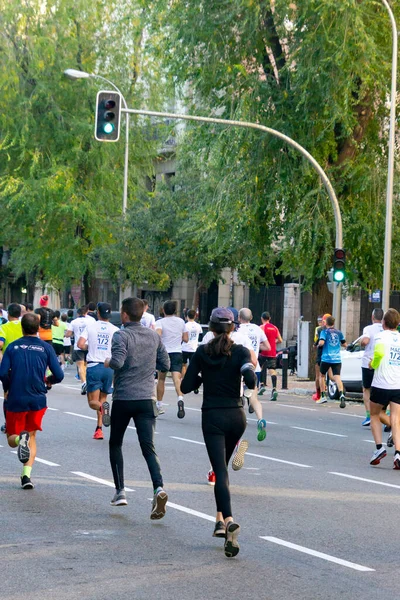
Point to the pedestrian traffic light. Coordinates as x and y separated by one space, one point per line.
339 265
108 116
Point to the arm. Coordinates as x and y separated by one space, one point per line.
162 363
185 336
278 336
4 371
82 343
265 346
379 353
57 374
247 370
192 380
118 352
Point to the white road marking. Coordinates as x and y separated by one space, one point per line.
41 460
318 431
328 557
256 421
346 414
189 511
251 468
392 485
49 408
196 409
82 416
186 440
286 462
98 480
373 442
293 406
70 387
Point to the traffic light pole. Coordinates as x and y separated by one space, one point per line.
246 124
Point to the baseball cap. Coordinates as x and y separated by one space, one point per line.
222 315
104 309
324 318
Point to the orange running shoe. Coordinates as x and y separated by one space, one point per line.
98 435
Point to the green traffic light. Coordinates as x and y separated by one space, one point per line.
108 127
338 276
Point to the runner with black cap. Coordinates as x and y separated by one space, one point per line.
96 339
220 366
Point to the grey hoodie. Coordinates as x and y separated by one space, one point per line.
136 352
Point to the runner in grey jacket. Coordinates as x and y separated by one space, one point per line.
136 353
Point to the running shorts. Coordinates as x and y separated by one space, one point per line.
176 362
30 420
325 366
79 355
99 377
67 349
186 356
367 377
58 348
384 397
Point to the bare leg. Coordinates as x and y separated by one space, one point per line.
256 404
81 365
395 423
177 378
160 386
366 396
338 381
376 428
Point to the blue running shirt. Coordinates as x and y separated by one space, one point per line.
331 349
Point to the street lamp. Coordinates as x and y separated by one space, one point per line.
75 74
389 190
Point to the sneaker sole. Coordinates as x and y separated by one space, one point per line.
274 397
105 414
160 508
342 403
231 547
396 465
376 461
261 392
366 424
181 409
23 450
238 459
119 503
27 486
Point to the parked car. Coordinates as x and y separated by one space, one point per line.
351 370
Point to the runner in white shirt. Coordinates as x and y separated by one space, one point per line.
148 320
96 339
189 348
76 328
368 341
172 332
385 389
258 340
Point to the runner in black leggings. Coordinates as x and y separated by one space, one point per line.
220 365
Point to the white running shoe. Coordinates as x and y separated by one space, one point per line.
238 457
322 400
377 456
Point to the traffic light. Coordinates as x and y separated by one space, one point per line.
108 116
339 265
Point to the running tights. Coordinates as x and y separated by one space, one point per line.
222 429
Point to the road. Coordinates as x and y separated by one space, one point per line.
317 521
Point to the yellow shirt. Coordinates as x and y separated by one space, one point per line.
9 332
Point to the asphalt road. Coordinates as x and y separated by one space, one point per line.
317 522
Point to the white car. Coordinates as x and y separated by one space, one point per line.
351 373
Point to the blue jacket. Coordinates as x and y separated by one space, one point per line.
23 372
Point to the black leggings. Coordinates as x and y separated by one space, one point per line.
143 414
222 429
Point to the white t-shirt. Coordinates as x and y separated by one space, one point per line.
78 326
236 337
98 335
171 333
387 374
148 320
256 335
194 331
371 331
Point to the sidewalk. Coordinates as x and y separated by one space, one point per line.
300 387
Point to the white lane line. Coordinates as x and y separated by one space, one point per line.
251 468
1 446
328 557
186 440
70 387
189 511
82 416
98 480
346 414
268 422
286 462
196 409
373 442
49 408
318 431
41 460
392 485
299 407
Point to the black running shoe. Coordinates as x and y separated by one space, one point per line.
219 530
231 544
105 414
195 391
387 429
342 401
181 409
23 450
26 483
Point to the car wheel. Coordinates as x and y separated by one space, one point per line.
333 391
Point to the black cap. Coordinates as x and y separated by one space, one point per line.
104 309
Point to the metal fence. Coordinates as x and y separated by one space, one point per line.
268 299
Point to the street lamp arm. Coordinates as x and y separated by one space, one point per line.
278 134
112 85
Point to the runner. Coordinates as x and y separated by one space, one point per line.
171 329
258 341
385 388
219 366
92 310
23 374
317 395
331 340
96 340
193 330
76 329
136 353
58 330
46 315
368 341
66 341
11 330
273 336
148 320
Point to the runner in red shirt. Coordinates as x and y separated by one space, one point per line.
267 358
